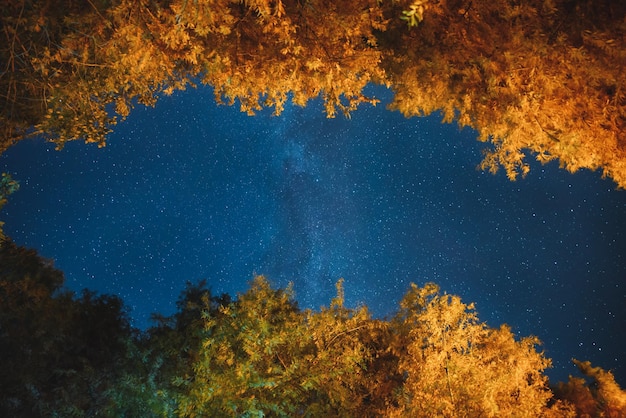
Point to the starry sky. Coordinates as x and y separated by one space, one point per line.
190 190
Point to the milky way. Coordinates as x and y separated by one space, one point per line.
190 190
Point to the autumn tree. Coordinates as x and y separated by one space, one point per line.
349 368
261 356
535 77
456 366
538 77
66 66
48 61
601 396
67 63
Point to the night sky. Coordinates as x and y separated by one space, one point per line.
191 190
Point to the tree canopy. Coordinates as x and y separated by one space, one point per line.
60 352
543 78
533 77
260 355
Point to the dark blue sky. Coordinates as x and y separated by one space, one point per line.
191 190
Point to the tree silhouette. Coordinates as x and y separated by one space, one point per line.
59 352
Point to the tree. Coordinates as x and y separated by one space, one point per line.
456 366
59 352
240 366
532 77
262 356
538 77
259 355
602 398
7 186
72 63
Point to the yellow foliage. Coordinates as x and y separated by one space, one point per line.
262 356
532 79
457 366
602 398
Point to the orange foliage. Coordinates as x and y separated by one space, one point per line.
524 77
602 398
457 366
544 78
260 356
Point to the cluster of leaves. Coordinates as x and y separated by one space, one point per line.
69 66
545 77
7 186
536 76
259 355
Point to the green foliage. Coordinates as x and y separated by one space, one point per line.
244 356
415 14
7 186
172 347
259 355
139 390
